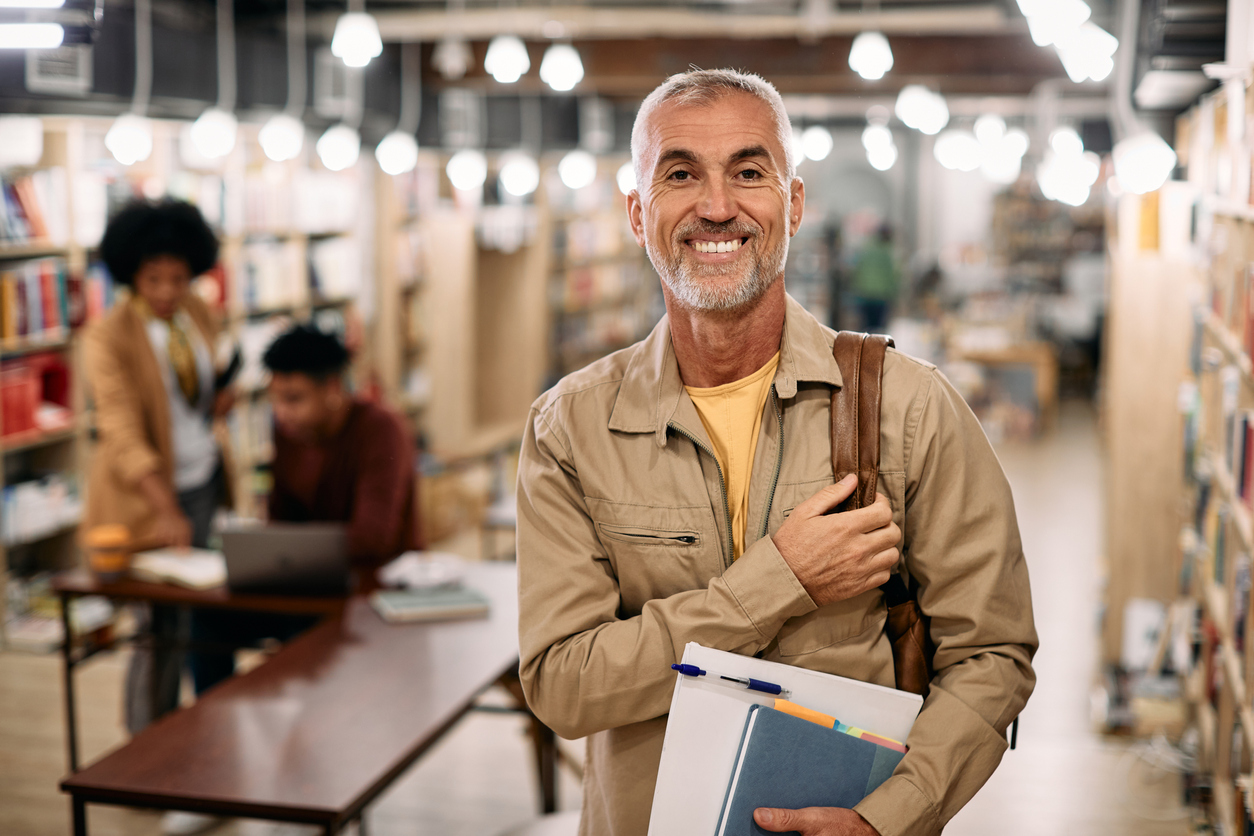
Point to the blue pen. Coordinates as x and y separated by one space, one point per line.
748 683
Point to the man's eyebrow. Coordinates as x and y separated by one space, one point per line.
676 155
749 153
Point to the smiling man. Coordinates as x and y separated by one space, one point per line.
679 490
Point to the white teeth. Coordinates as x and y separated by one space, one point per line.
716 246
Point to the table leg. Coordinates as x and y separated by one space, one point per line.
67 656
361 824
80 815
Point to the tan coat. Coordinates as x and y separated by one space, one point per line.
615 469
133 418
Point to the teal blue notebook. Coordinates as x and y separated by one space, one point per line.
429 604
785 761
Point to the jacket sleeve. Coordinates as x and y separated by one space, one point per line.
119 413
583 667
962 546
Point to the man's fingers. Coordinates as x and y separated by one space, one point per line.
781 821
827 498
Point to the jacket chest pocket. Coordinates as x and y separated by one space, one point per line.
654 551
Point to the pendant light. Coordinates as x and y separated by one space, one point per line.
561 68
397 153
283 135
129 139
213 133
507 59
340 145
356 39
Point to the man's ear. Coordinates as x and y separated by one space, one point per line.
635 214
796 204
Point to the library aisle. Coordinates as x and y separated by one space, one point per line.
1064 778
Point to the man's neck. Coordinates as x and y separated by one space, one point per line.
713 348
336 421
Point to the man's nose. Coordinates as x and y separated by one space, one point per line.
717 203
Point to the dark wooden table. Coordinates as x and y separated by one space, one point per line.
323 727
80 582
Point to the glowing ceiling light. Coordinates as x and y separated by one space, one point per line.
1016 142
451 58
874 136
397 153
1068 177
1143 162
922 109
213 133
467 170
31 35
871 56
958 150
816 142
507 59
338 147
129 139
1056 20
520 174
989 129
282 137
577 169
882 157
1087 52
561 67
1066 142
31 4
356 39
626 178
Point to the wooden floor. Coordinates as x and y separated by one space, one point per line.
1063 779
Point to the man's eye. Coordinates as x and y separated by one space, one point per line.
679 175
751 174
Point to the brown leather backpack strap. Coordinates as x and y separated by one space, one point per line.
856 412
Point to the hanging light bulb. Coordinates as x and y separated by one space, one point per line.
871 56
467 170
520 174
816 142
338 147
882 157
626 177
561 68
31 35
1056 20
922 109
129 139
989 129
213 133
356 39
451 58
1087 52
958 150
1066 141
282 137
507 59
1143 162
577 169
397 153
876 135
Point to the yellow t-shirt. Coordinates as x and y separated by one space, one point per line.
732 415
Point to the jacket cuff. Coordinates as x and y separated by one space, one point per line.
899 808
766 588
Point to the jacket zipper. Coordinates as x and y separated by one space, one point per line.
779 462
728 555
687 539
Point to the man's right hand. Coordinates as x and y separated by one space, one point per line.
839 556
173 529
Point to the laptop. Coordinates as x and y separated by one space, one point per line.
287 559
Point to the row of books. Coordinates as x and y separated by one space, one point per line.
1232 273
309 202
597 285
602 235
41 301
34 208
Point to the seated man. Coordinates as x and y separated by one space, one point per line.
336 459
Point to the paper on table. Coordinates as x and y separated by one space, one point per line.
706 721
194 568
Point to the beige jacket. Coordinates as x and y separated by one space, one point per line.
133 418
624 557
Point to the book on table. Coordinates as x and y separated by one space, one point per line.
192 568
787 762
434 604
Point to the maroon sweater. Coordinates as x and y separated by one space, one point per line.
364 476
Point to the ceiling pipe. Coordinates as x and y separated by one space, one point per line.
584 23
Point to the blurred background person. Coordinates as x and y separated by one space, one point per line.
876 280
161 462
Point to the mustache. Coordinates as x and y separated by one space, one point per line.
704 227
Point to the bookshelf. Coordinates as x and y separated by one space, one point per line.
1216 400
603 292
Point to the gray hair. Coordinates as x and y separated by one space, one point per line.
705 87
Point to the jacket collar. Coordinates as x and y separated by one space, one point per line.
652 390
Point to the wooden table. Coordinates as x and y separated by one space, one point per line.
80 582
323 727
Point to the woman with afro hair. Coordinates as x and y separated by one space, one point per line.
161 466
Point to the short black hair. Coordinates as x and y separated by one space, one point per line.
303 349
145 229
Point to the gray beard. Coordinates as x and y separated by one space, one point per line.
685 278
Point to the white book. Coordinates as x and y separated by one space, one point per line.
707 720
193 568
